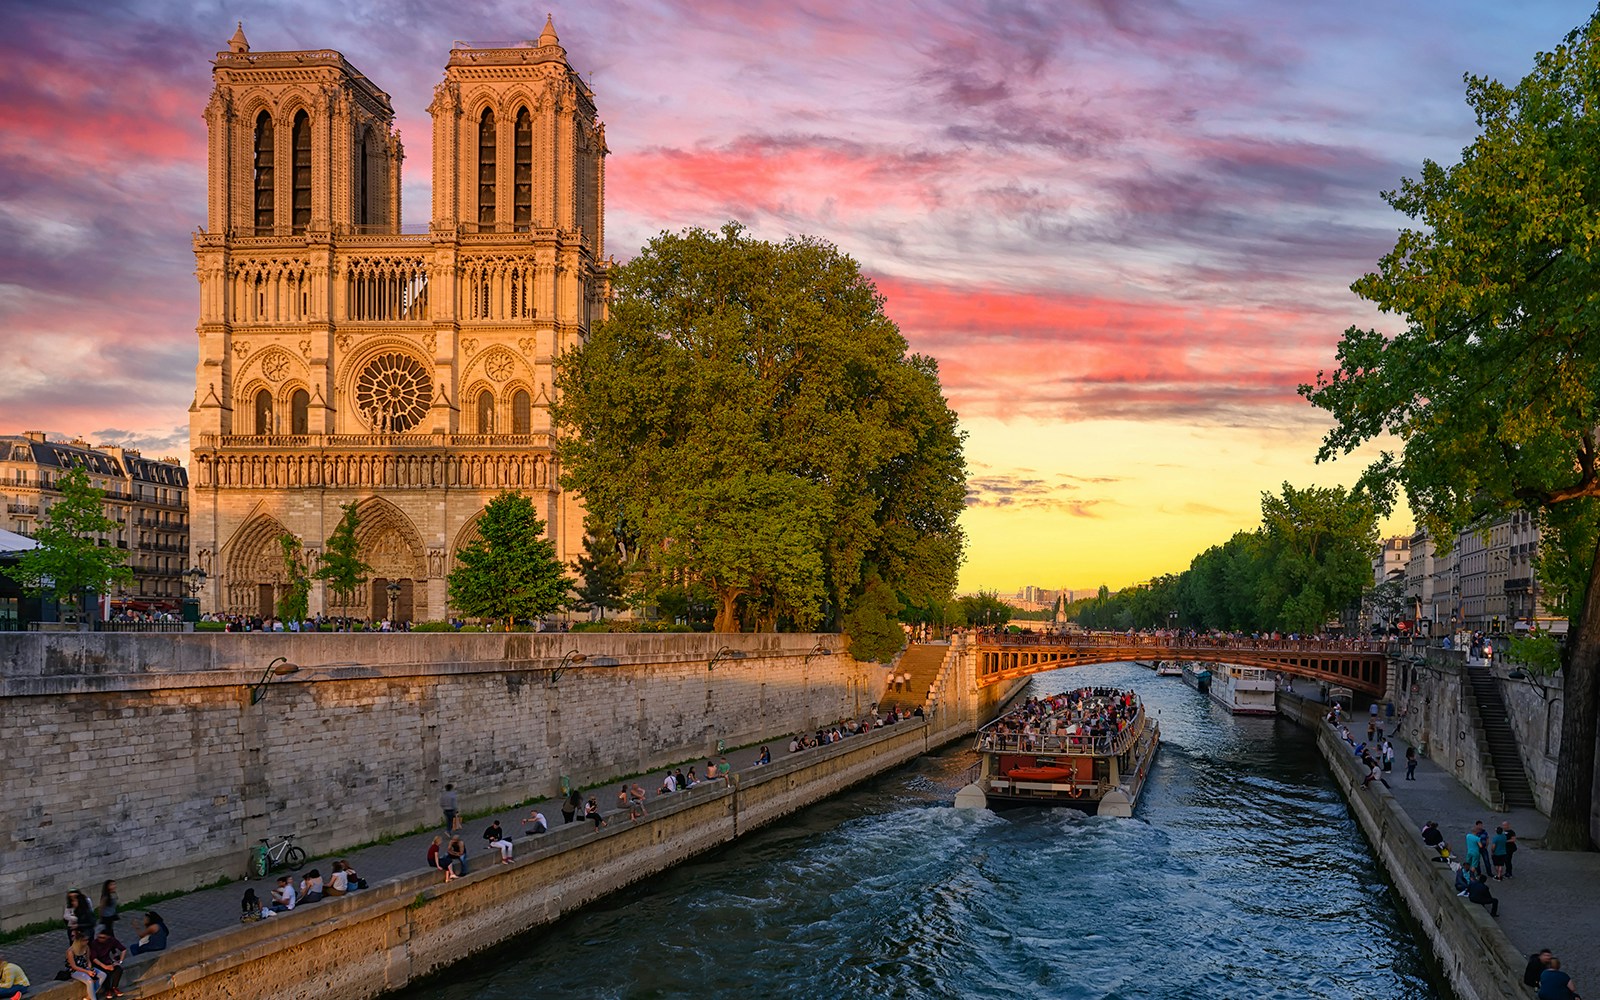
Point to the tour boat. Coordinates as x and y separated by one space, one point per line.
1089 749
1244 690
1168 668
1197 676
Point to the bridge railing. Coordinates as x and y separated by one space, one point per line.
1097 640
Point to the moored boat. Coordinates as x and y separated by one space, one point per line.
1089 749
1168 668
1198 676
1244 690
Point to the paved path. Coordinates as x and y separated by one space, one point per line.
211 909
1554 899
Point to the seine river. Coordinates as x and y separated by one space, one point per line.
1242 876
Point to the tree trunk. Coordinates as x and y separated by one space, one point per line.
1573 800
727 610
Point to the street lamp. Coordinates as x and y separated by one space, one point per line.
194 580
725 653
279 666
394 600
818 650
572 656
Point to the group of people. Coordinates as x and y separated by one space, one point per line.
287 894
1548 981
94 956
1090 718
1485 856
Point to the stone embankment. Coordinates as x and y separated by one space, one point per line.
1479 960
412 926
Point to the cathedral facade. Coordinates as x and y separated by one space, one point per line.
344 358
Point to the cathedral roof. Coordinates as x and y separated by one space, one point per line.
238 43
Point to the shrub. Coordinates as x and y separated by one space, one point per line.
432 627
473 628
211 626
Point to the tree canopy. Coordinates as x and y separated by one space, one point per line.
753 422
1493 386
69 559
295 603
510 572
342 566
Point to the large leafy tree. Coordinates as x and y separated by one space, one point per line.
1319 543
1493 386
69 559
510 571
744 389
342 566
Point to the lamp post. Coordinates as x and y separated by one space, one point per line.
394 602
194 578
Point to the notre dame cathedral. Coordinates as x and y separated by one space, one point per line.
344 357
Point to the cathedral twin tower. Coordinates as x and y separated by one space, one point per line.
344 359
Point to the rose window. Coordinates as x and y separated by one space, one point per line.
392 393
275 367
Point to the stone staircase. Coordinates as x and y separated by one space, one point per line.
1500 740
923 663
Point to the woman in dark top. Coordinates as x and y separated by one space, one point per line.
569 808
108 903
78 916
154 937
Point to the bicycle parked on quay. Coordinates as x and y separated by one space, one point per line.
269 857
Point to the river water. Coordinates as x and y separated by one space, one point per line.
1241 876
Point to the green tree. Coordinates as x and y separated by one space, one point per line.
342 568
1319 543
985 608
510 571
69 559
295 604
871 624
732 369
1493 386
602 573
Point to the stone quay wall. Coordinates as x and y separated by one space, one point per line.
1479 960
141 757
399 931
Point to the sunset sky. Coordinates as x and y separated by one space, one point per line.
1125 229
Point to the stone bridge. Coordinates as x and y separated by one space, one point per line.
1359 666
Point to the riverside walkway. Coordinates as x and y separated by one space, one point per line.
195 913
1554 899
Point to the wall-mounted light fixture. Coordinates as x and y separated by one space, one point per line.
725 653
818 650
572 656
279 667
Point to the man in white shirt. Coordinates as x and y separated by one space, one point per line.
537 821
283 896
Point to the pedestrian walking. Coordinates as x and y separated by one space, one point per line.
1411 763
447 805
1388 756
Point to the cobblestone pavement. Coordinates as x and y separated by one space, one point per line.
207 910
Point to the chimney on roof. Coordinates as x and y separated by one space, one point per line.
34 436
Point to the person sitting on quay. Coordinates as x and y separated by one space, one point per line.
283 897
14 983
765 758
436 854
591 811
311 887
1557 985
108 955
250 908
457 852
1434 838
537 821
636 797
1478 892
81 964
492 835
338 881
1537 963
155 934
669 784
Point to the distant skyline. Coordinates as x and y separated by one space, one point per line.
1125 229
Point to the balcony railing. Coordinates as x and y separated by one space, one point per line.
32 510
279 442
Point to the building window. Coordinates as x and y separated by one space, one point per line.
363 204
302 172
264 188
486 412
300 412
486 168
263 412
522 174
521 413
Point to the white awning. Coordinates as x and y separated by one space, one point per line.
10 541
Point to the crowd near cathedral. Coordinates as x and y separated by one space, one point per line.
345 357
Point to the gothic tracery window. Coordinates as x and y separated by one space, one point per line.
393 391
522 173
302 172
363 171
521 413
486 412
265 191
300 412
486 168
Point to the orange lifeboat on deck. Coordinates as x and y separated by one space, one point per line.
1040 774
